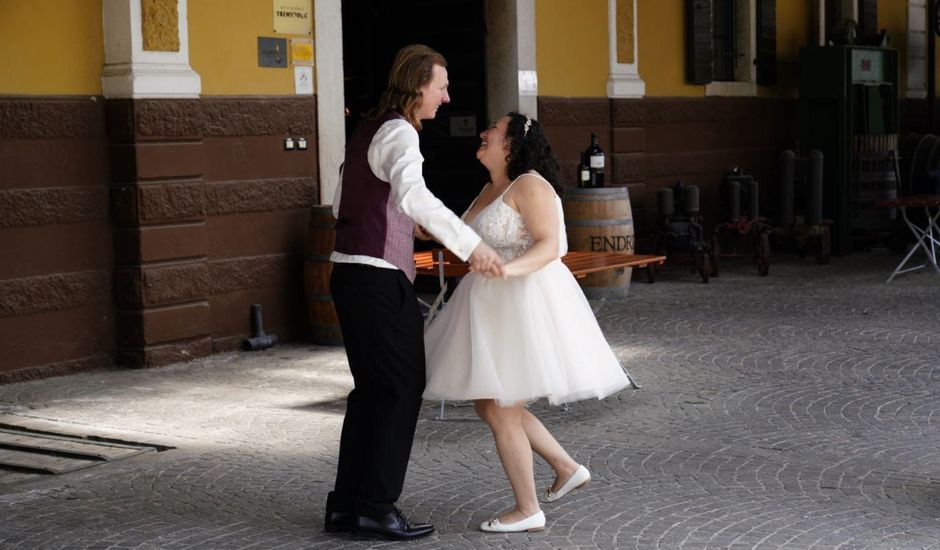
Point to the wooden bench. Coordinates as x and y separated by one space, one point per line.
445 265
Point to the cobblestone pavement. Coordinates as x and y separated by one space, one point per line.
800 410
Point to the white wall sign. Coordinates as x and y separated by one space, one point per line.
303 80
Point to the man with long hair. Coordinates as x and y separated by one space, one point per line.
381 197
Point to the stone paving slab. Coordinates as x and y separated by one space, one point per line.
799 410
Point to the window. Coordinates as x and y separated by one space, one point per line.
861 15
725 39
731 45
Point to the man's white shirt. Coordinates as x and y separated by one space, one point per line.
395 156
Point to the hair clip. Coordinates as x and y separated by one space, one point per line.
526 126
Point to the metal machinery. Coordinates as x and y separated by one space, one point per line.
800 223
848 109
743 229
680 226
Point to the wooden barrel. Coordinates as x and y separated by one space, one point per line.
600 220
317 269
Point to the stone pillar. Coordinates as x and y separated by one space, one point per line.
512 80
624 79
158 198
146 50
628 134
328 21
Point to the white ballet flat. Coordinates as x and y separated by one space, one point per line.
535 522
577 479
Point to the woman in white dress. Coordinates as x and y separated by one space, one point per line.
505 342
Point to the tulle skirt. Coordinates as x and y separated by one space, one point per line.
520 339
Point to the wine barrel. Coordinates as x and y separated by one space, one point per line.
321 237
600 220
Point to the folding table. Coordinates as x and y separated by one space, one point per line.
928 236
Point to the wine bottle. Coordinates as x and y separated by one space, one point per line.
584 172
595 156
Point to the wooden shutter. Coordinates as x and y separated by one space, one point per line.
766 42
698 41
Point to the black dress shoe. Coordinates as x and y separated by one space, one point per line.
339 522
391 525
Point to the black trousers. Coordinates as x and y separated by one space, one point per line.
383 333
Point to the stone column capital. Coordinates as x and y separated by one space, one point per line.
133 71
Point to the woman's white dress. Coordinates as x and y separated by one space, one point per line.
520 338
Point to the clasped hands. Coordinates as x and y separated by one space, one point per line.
484 260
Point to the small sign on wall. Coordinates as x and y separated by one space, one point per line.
301 51
293 17
303 80
272 52
463 126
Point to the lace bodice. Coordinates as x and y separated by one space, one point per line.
504 230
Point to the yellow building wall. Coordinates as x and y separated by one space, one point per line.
661 44
55 47
51 47
571 48
892 15
576 65
663 56
661 38
223 48
794 31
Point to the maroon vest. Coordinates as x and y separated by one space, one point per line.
369 222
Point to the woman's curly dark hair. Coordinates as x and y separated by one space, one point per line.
530 150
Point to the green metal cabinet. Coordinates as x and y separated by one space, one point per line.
848 109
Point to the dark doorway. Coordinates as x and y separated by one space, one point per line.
373 30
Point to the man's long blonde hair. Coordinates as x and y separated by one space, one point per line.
412 68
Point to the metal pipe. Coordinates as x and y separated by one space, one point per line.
815 177
733 194
753 196
787 178
259 339
932 30
665 203
690 200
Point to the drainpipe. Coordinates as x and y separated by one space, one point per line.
933 27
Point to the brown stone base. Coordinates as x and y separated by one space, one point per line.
164 354
96 362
